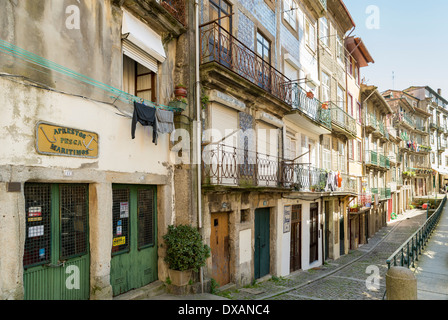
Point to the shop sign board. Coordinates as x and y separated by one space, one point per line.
52 139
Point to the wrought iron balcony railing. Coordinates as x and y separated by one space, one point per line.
310 106
371 157
218 45
365 199
227 165
343 120
231 166
177 8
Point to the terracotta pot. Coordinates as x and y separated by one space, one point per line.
180 92
310 94
180 278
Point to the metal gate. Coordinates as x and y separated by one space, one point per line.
134 247
56 256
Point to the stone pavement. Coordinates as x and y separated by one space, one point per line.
431 270
346 278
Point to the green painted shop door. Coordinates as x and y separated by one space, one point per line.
134 247
56 254
262 254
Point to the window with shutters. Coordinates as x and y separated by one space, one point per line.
290 13
359 151
324 31
341 162
326 154
325 87
310 35
351 151
290 152
138 80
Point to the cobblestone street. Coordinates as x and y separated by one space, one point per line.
341 279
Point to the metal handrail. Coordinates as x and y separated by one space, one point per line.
409 251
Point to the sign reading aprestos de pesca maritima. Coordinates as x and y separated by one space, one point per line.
58 140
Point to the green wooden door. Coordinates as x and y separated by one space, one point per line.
134 248
56 254
262 252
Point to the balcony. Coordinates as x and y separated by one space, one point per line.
177 9
365 199
433 126
219 46
342 122
311 107
319 7
384 193
441 146
233 167
370 123
371 158
409 120
413 146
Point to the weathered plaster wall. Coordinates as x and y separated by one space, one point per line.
24 106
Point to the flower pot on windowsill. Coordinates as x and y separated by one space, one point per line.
180 278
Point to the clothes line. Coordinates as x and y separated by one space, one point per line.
14 51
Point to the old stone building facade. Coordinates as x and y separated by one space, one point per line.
277 153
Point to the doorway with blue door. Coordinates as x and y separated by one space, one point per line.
262 243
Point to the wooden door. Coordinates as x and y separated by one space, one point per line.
56 257
327 229
219 245
296 238
341 236
314 232
262 251
134 247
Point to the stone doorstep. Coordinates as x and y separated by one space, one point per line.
151 290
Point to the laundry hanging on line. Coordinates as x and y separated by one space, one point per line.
165 121
146 116
161 120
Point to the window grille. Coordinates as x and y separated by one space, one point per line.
120 220
38 219
145 217
74 209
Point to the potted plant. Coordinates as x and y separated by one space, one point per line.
185 252
178 103
180 91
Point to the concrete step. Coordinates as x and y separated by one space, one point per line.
156 288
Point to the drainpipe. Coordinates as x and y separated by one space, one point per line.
198 129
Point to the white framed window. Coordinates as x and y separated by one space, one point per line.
339 49
325 85
310 35
340 97
290 13
326 154
291 143
324 33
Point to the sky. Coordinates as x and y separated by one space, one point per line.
407 38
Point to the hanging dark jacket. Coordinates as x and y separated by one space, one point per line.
146 116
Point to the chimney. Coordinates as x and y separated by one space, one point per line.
439 91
